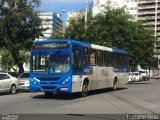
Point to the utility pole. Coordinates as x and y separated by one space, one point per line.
86 13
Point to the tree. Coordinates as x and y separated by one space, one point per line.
59 35
7 60
19 26
115 28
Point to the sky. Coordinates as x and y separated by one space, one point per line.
59 5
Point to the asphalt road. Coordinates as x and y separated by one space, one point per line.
136 98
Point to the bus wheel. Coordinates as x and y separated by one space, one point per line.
48 94
85 89
115 84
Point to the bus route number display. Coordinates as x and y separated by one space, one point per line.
47 46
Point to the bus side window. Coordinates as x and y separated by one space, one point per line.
77 60
86 56
99 57
126 61
107 58
113 62
123 60
92 57
117 57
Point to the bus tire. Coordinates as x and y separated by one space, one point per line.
48 94
85 88
115 84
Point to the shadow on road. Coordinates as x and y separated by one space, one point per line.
23 91
138 83
7 93
75 95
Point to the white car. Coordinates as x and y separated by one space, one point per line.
136 77
8 83
130 77
23 81
144 74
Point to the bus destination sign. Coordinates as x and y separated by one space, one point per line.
51 45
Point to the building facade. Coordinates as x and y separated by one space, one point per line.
97 6
52 22
57 23
131 7
71 16
149 15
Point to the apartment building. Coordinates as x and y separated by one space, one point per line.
149 15
131 7
53 22
97 5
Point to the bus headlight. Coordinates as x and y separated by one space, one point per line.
65 81
35 80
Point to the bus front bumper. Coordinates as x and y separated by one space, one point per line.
46 88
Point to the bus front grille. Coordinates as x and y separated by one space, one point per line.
49 79
48 87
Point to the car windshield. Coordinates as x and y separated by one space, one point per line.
141 71
136 74
24 75
52 62
14 74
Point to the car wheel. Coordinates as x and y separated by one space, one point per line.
48 94
13 89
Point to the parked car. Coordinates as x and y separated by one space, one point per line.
136 77
8 83
130 77
14 74
144 74
23 81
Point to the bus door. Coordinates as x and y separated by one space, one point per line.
77 60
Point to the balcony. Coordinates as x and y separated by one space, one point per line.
158 34
158 28
146 1
146 7
146 12
149 23
147 18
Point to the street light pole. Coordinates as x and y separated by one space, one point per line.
86 13
63 11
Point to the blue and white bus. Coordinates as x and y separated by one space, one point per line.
68 66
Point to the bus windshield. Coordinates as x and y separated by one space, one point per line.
50 62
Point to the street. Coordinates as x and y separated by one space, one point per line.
136 98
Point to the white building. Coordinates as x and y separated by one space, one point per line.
71 16
129 5
53 23
47 22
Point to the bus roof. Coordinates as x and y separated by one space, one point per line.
84 44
